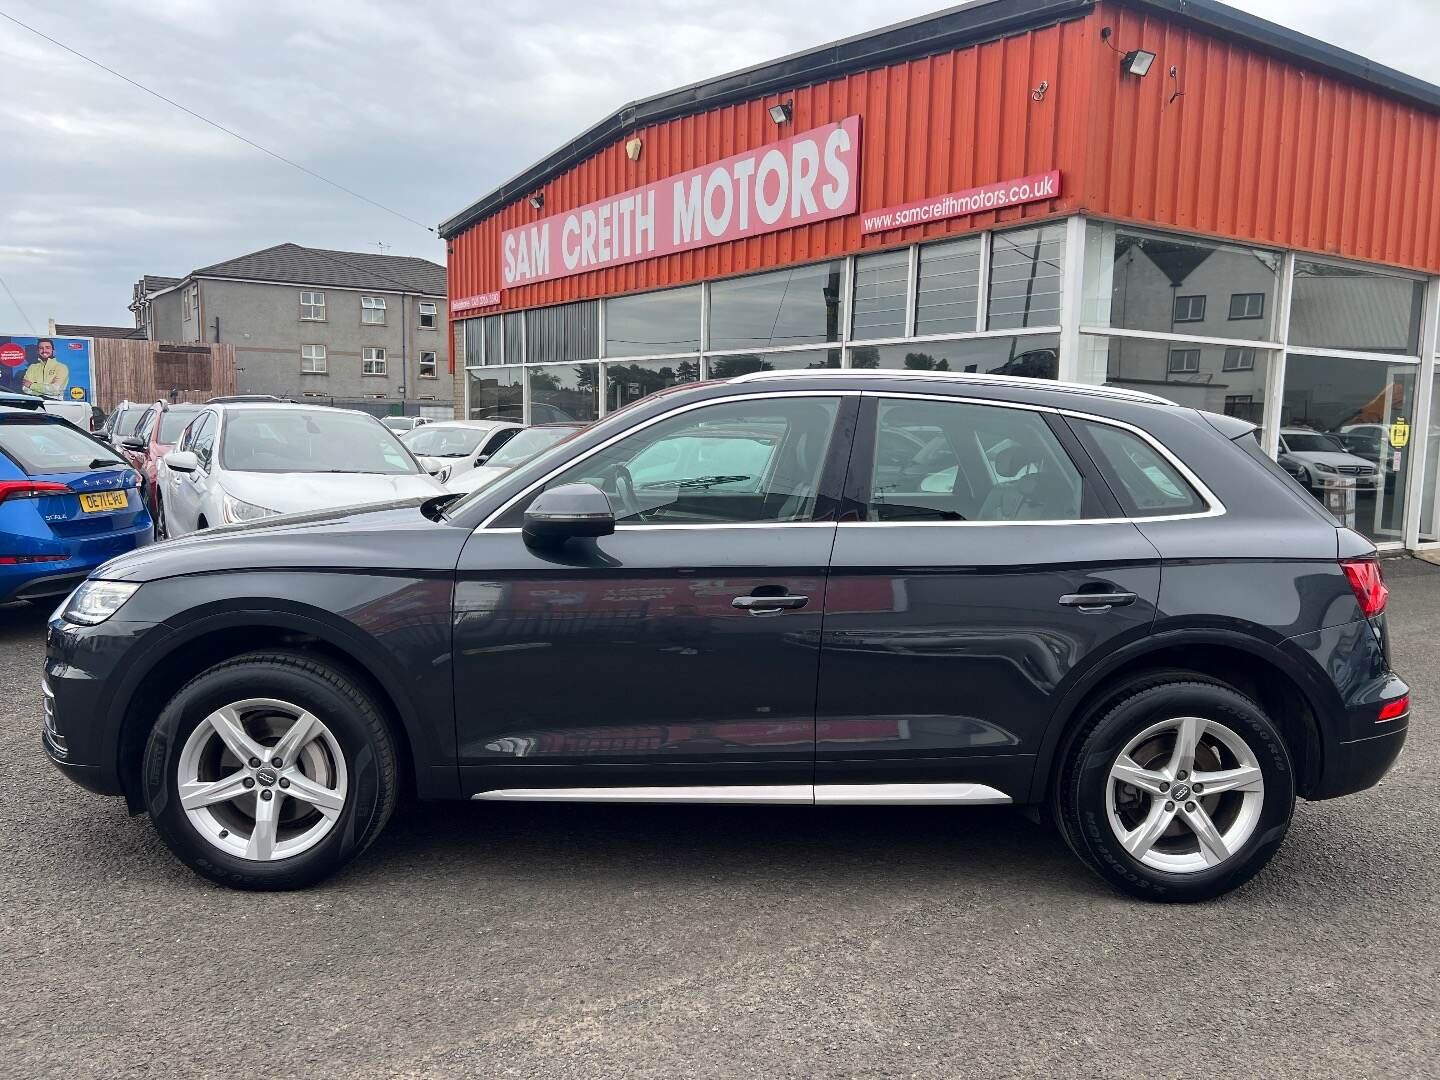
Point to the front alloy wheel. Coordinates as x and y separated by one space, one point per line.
262 779
270 771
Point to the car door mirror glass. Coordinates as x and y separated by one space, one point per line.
181 461
567 512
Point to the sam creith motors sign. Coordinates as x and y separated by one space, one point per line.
809 177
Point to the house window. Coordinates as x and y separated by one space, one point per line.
372 310
1189 308
1238 358
427 365
190 300
1184 361
1247 305
312 359
312 306
428 316
372 361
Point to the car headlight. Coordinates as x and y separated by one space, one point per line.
1325 468
443 474
95 601
237 510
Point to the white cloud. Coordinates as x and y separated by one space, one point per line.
422 106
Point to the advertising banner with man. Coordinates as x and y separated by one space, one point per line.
50 367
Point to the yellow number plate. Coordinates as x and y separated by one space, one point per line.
102 501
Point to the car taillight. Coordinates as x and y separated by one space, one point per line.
1392 710
29 489
19 560
1367 581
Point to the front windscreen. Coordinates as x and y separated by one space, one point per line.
432 441
527 444
311 441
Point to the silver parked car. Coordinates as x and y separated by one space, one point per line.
248 462
449 448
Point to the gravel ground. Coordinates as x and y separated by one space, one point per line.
538 941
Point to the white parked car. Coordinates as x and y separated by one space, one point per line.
448 448
1308 455
402 424
248 462
522 447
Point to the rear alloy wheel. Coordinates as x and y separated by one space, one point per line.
1178 791
270 771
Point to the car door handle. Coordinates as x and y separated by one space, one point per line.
761 605
1098 601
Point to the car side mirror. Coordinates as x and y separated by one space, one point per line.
182 461
480 459
566 512
103 436
130 442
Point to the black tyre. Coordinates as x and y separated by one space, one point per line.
1177 790
270 771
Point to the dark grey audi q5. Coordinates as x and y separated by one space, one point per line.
808 587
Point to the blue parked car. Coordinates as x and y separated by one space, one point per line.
67 504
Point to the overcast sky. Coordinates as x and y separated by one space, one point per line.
421 106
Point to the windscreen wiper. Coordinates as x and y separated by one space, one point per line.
693 482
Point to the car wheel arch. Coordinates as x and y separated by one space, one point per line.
1259 669
195 646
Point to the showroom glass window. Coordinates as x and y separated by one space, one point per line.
561 392
1026 270
1158 282
653 324
948 288
882 284
496 393
1349 309
629 382
1036 356
563 333
799 305
737 462
732 364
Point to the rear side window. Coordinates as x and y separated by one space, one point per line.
53 448
957 461
1146 484
128 420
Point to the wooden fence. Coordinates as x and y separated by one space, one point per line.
126 370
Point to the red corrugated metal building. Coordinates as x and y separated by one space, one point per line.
1170 195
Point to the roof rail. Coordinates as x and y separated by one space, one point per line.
955 376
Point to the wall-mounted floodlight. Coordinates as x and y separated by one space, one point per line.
782 111
537 200
1137 62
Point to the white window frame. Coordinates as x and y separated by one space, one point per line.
1245 316
372 354
323 358
370 304
433 314
316 306
1189 308
1244 356
432 363
1186 354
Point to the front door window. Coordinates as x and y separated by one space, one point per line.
743 462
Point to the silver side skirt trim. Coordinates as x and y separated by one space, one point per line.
908 795
781 794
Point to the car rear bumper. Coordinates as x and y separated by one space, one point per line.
35 581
